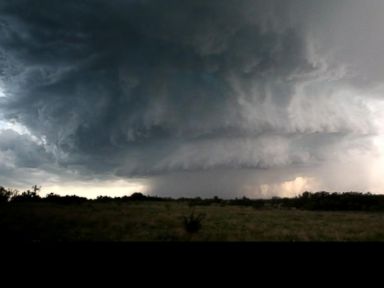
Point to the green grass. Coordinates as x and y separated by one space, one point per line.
163 221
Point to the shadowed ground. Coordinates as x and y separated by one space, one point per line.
163 221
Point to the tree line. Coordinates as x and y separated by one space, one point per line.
318 201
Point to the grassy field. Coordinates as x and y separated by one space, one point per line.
163 221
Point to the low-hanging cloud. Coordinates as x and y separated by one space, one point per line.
169 90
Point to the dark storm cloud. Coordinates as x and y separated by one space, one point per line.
22 159
23 151
150 87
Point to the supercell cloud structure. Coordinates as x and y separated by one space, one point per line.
193 98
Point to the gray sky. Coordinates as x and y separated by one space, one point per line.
192 98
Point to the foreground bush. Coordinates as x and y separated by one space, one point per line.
192 223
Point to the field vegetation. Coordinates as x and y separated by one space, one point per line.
318 216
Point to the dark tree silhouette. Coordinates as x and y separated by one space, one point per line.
28 196
5 194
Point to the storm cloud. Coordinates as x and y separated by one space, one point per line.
230 97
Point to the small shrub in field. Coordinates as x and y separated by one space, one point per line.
192 223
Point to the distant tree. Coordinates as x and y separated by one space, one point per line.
104 199
28 195
5 194
306 195
138 196
36 189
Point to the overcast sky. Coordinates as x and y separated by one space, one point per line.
188 98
